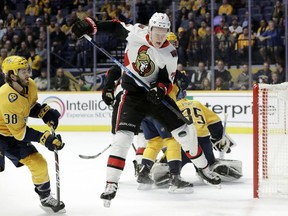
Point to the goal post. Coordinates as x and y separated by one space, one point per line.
270 140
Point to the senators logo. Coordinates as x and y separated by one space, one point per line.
12 97
143 64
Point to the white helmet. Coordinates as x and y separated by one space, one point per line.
160 20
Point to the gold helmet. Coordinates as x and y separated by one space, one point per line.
172 38
14 63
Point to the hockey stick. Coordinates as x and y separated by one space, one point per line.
56 156
221 153
130 74
95 156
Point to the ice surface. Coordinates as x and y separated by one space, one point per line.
82 182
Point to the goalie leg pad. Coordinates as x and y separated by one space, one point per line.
228 170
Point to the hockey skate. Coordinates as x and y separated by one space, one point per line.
109 193
144 178
50 203
177 185
163 181
209 177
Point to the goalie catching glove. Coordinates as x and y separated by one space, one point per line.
222 145
51 141
87 26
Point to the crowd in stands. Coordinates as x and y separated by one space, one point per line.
26 26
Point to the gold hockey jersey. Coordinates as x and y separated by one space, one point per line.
201 115
15 109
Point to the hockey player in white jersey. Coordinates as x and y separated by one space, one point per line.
153 60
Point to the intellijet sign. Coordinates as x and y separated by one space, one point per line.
79 108
238 106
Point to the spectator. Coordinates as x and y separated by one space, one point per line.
263 75
235 29
205 84
66 27
24 50
3 55
57 35
226 45
206 46
243 44
242 80
60 82
42 81
219 84
197 77
202 29
83 85
224 74
275 78
278 13
32 9
281 71
8 46
185 22
35 62
193 49
183 44
41 51
59 17
274 44
3 30
225 8
20 20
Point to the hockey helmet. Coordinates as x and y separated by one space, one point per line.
14 63
160 20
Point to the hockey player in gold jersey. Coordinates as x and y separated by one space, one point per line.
18 102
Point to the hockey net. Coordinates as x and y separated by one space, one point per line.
270 131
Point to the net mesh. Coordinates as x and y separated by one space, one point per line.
273 141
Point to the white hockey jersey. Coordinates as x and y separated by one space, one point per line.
144 60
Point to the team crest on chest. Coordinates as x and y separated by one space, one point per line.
12 97
143 65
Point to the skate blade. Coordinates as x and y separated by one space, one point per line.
175 190
50 210
144 186
218 186
107 203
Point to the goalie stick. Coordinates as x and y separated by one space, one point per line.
221 153
97 155
130 74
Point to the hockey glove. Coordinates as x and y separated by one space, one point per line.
222 145
156 94
86 26
49 116
51 141
108 96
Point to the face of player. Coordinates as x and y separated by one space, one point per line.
158 36
23 76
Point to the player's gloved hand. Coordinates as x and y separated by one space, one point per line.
157 93
182 80
222 145
108 96
86 26
49 116
51 141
